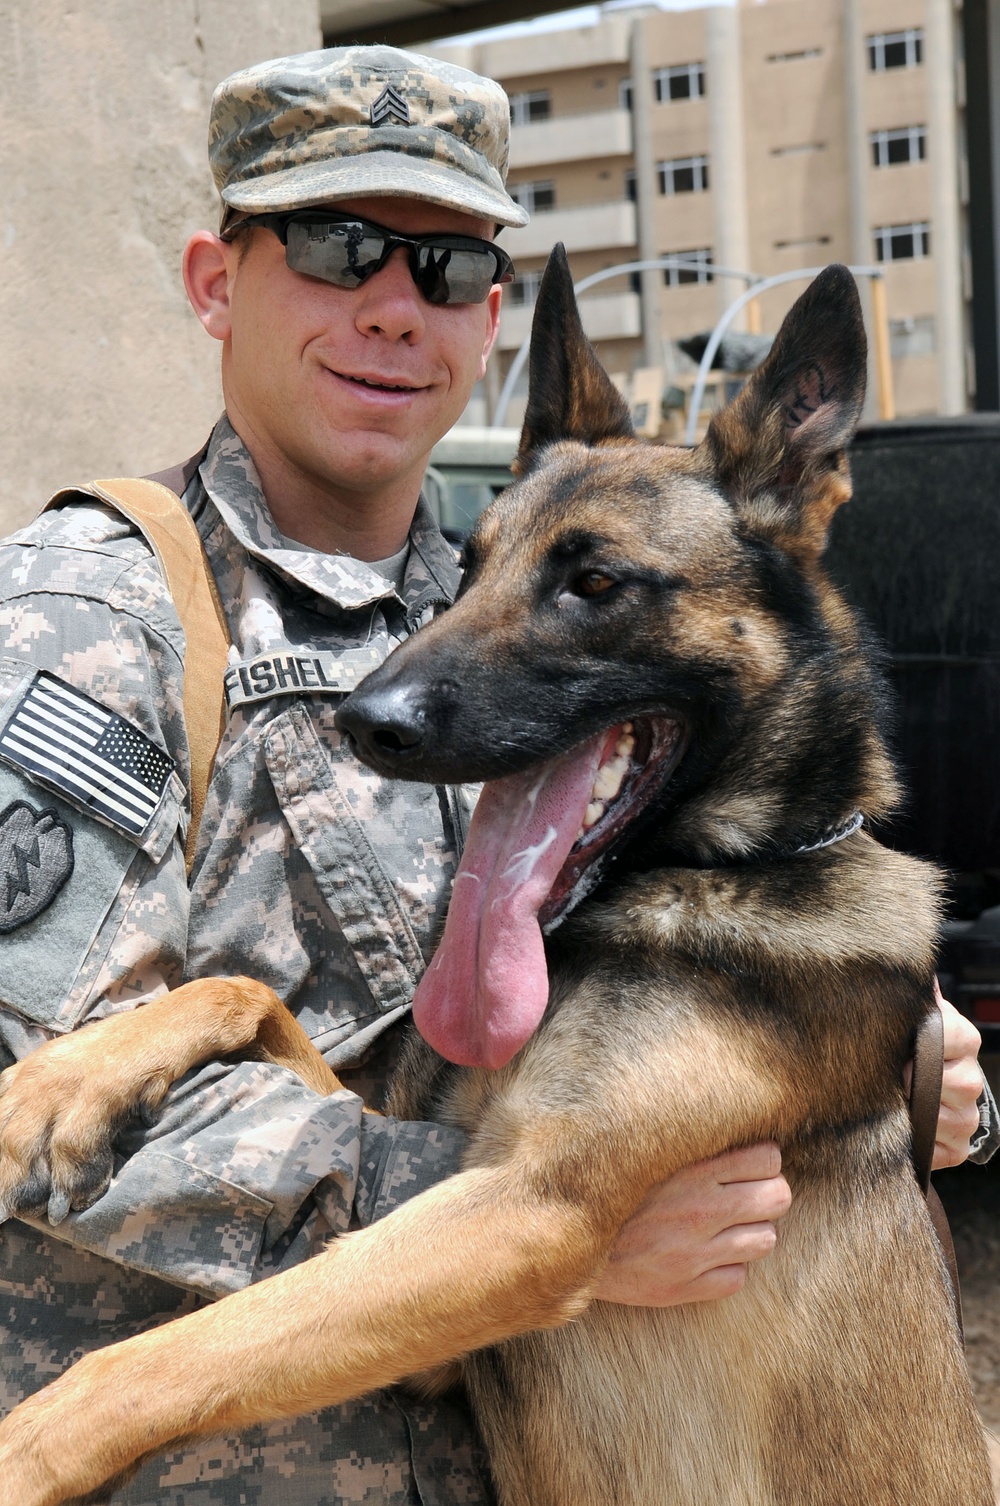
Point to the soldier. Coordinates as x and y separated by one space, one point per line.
355 290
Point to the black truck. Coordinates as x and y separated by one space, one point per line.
918 550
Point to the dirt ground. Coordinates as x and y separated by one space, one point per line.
971 1195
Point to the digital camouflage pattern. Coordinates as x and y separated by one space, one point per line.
352 121
311 874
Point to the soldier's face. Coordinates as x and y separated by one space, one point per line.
352 386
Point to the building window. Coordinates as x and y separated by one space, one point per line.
534 197
902 242
686 81
802 150
529 107
630 188
911 337
698 271
908 144
625 94
795 57
683 175
895 49
524 289
803 244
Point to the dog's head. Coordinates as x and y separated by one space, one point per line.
645 654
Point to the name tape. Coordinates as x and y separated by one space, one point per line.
323 673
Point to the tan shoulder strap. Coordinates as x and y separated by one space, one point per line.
169 530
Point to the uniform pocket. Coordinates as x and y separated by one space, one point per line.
170 1219
313 790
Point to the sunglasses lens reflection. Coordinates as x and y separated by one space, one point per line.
341 254
454 275
348 253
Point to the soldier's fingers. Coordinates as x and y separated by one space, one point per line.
961 1084
758 1202
961 1038
741 1244
955 1130
714 1285
750 1163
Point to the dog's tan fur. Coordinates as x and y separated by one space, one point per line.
835 1378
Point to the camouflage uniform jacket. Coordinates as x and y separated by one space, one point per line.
311 874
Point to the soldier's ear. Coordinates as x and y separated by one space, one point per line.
778 451
570 395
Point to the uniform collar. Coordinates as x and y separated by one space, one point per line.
230 479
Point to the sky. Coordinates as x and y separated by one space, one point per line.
586 15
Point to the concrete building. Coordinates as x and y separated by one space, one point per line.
104 120
759 137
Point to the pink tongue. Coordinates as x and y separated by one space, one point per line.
487 986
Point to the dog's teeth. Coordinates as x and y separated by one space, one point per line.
580 834
609 779
625 746
593 813
627 727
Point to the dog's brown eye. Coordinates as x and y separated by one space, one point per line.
594 583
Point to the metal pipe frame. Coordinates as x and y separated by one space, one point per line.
701 381
666 263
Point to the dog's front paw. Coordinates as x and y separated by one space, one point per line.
60 1111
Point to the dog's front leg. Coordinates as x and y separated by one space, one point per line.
480 1257
61 1107
499 1250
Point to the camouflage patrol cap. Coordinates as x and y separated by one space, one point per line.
353 121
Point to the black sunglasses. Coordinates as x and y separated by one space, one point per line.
346 251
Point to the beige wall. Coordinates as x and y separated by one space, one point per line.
579 92
104 115
599 180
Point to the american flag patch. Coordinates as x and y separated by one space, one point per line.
94 756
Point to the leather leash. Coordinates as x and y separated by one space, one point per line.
925 1103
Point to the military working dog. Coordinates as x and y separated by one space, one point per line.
671 933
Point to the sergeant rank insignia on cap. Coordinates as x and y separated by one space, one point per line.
97 759
390 105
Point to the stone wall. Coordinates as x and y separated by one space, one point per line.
104 370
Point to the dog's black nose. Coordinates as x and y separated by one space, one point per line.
386 725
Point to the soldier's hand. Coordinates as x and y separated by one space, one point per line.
961 1086
695 1234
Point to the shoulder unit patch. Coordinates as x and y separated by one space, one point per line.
36 859
93 756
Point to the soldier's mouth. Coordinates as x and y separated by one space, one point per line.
378 384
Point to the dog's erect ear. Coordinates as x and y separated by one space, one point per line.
570 395
778 450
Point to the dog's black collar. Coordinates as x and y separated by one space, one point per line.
775 854
770 853
828 838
